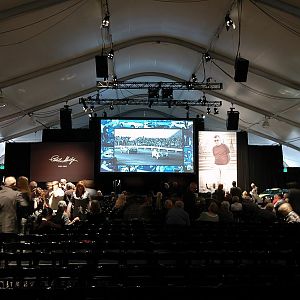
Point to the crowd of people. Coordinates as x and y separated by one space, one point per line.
25 207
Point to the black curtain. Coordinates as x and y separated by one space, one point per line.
17 159
265 166
242 160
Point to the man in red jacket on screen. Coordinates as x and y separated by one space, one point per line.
221 154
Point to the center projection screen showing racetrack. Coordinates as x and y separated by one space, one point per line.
217 160
153 146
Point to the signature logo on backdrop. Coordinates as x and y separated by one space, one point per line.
63 162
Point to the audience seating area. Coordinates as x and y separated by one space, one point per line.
138 260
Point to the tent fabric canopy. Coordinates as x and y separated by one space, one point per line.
48 49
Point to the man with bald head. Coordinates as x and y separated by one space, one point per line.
10 199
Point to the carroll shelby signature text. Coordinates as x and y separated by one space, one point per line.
67 160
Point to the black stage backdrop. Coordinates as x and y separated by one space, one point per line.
260 164
266 166
242 160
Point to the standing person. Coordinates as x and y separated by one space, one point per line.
79 202
23 212
189 199
221 155
9 200
235 190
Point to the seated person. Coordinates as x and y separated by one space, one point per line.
44 224
61 216
94 214
211 215
290 216
177 215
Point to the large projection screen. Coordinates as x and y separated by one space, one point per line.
146 145
217 160
53 161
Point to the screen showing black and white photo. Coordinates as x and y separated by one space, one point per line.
131 145
217 159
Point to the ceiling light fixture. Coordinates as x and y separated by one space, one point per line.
84 105
167 93
207 57
105 21
153 93
111 54
229 22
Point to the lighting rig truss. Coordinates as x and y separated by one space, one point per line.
148 102
182 85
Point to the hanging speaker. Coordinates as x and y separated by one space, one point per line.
199 124
101 66
241 69
232 122
65 118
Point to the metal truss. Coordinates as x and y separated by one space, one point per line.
149 102
182 85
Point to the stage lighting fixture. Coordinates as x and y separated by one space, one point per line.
111 107
84 106
216 111
167 93
208 110
110 54
229 22
105 21
203 101
153 93
194 78
104 114
207 57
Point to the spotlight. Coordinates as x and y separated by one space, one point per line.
105 21
153 93
194 78
84 106
110 54
104 114
167 93
111 107
229 23
216 111
115 81
207 57
203 101
208 110
189 85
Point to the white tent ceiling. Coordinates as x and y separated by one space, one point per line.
48 48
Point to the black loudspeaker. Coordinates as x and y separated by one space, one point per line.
232 120
101 66
65 117
199 124
241 69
